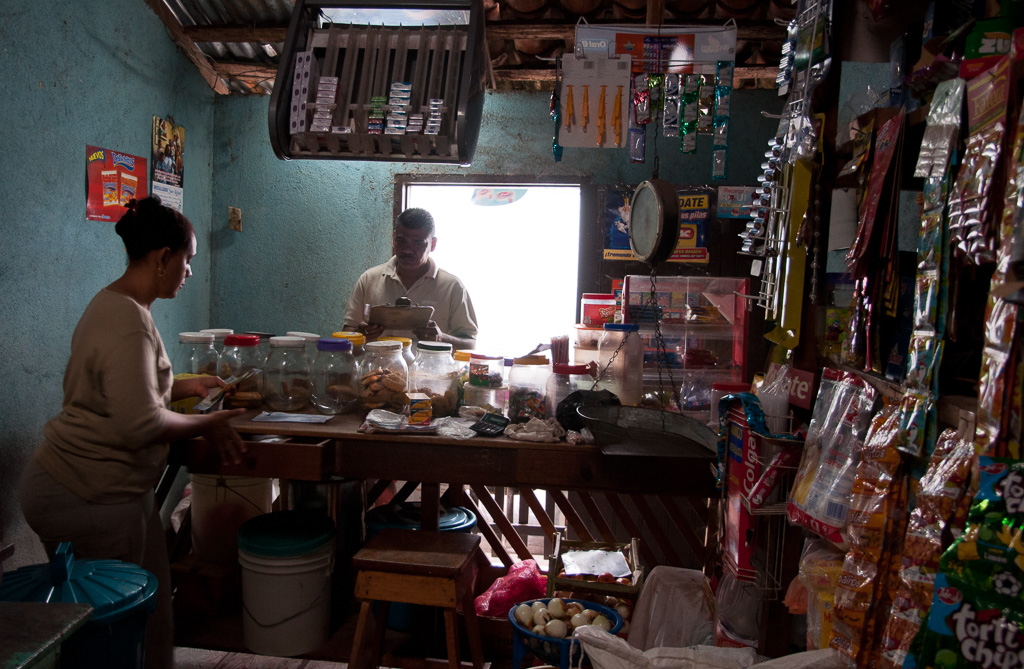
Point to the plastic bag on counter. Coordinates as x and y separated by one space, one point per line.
676 608
607 651
820 498
523 582
811 659
536 429
455 428
739 612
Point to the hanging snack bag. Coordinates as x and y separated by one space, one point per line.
820 498
821 563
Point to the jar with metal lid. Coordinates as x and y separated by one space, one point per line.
527 383
621 362
218 337
195 354
334 377
565 380
358 340
384 377
485 371
407 351
310 340
286 373
241 354
435 374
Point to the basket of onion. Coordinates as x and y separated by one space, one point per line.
544 627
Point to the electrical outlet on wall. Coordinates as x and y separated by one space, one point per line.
235 219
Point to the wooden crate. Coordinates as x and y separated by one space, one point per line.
582 588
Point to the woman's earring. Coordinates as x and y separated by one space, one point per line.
160 271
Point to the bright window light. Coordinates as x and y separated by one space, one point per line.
516 250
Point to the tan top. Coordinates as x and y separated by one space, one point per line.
453 310
117 385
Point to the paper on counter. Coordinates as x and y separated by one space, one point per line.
595 562
282 417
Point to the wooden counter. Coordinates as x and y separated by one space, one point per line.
600 484
32 632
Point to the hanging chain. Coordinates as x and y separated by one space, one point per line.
659 342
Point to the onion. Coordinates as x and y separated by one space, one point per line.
538 605
538 629
623 611
572 608
579 620
541 617
591 614
557 607
625 627
524 614
555 628
602 622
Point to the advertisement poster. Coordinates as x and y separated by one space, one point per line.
736 201
111 179
682 49
168 161
694 212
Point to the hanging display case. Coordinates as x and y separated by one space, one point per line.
401 81
703 321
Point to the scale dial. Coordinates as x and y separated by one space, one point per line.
654 221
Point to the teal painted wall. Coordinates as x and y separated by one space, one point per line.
311 227
78 73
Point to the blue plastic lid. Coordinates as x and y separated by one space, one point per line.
620 327
113 589
406 515
285 533
333 344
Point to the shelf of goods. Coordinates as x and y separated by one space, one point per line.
703 323
401 83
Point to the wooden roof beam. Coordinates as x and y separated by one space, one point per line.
188 45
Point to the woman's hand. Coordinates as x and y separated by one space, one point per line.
218 433
198 386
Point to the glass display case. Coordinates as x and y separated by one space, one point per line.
703 323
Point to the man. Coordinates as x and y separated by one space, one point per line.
412 273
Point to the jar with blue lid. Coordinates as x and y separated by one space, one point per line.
334 377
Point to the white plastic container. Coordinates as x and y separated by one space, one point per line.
219 506
287 558
621 362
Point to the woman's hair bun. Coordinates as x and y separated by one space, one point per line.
148 225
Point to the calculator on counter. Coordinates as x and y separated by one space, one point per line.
490 425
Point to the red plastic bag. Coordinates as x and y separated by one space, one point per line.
523 581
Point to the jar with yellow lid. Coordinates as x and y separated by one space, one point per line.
462 365
358 340
527 384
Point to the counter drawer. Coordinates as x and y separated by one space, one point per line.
295 458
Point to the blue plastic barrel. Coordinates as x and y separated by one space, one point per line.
122 596
406 515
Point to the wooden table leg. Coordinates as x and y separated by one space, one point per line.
476 651
430 506
451 633
357 643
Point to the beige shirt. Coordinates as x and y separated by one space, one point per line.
453 310
117 385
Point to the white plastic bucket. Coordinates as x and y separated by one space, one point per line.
219 506
286 599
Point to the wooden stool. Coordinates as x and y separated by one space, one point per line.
418 567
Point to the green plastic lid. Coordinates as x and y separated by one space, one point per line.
285 533
113 589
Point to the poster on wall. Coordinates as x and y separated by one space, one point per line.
112 178
694 214
736 201
168 161
679 49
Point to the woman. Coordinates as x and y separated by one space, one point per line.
92 480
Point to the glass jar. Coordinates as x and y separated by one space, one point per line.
241 354
218 337
434 373
407 352
334 377
491 400
462 365
358 340
383 377
195 354
527 383
565 380
310 340
286 373
264 341
621 362
485 371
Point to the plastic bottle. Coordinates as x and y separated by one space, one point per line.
384 377
334 377
286 372
621 362
434 373
527 383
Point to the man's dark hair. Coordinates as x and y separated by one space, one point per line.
416 219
